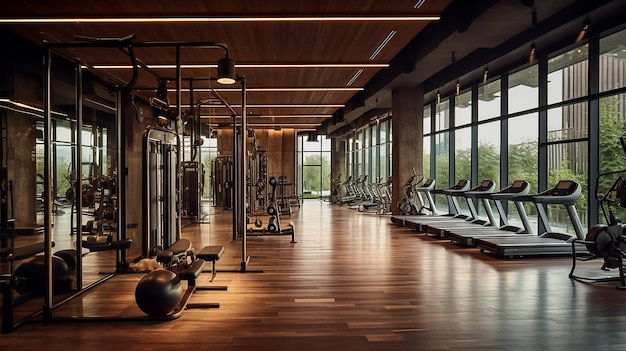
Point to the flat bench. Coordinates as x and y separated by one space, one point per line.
211 254
174 253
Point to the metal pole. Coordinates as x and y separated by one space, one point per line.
234 187
242 178
181 151
47 173
120 180
78 191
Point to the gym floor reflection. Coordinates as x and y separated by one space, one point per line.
353 281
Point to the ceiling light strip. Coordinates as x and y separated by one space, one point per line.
272 106
268 116
355 76
33 20
268 90
383 44
256 65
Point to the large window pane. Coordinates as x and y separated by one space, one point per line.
427 124
442 115
523 155
567 122
426 164
442 162
613 61
611 154
524 89
384 130
567 77
375 166
489 152
463 154
463 109
523 143
565 162
384 161
489 100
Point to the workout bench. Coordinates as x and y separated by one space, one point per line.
175 254
190 274
212 254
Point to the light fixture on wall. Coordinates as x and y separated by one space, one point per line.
226 71
533 49
312 136
583 31
458 87
485 75
438 97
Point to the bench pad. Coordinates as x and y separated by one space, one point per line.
211 253
193 271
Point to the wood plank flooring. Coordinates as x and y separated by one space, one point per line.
353 281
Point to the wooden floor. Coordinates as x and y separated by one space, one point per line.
353 282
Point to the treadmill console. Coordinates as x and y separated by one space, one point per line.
428 183
563 188
485 185
518 186
460 185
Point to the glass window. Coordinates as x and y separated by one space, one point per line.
524 89
523 156
567 122
613 61
611 154
426 164
384 162
489 158
523 151
375 132
567 77
427 127
489 152
366 163
442 115
463 109
375 166
489 100
568 161
463 153
442 161
384 128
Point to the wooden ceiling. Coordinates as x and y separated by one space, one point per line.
255 45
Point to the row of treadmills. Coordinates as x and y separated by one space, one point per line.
497 236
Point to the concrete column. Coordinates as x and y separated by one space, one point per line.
407 137
338 159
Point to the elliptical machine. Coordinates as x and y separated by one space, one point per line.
606 241
407 205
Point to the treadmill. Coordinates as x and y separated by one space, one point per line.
565 193
425 188
417 222
465 236
439 228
